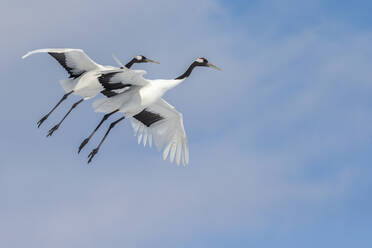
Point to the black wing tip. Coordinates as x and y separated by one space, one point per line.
61 58
148 118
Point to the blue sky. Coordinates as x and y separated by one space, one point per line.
280 140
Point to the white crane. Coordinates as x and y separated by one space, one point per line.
151 116
83 80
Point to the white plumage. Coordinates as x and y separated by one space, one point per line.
83 70
127 91
152 118
76 59
168 133
83 73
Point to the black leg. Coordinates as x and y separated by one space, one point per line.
47 115
95 130
51 131
94 151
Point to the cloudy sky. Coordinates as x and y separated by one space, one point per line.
280 140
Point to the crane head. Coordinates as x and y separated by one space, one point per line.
143 59
204 62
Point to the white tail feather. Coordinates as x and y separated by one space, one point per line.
68 84
104 105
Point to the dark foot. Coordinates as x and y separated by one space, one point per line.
42 120
51 131
92 154
83 144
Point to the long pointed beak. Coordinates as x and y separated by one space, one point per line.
152 61
214 67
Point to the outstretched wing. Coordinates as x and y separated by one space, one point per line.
75 61
117 81
163 124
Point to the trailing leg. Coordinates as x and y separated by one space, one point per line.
95 151
95 130
47 115
53 129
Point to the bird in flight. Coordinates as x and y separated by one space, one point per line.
152 118
83 79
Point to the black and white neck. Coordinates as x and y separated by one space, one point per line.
198 62
187 73
140 59
130 63
168 84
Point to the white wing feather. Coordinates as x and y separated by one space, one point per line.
168 133
76 59
126 76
